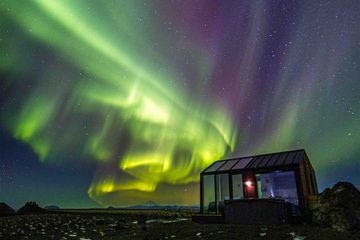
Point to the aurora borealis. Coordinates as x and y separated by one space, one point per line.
132 99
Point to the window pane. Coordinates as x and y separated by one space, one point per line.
223 192
237 183
209 193
278 185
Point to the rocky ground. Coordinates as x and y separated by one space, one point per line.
148 225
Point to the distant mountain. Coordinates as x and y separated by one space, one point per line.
52 207
5 210
30 207
155 206
150 203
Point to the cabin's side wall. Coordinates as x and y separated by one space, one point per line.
314 181
308 182
299 172
307 187
310 178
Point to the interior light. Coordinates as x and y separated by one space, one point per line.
248 183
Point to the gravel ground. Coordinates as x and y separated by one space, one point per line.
148 225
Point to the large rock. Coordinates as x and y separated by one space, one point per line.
5 210
338 207
29 208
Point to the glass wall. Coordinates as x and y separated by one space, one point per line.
209 193
278 185
223 193
237 185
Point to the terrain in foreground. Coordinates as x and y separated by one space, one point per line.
146 224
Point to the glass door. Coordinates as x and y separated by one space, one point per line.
209 193
237 186
223 190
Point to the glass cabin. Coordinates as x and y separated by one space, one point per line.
286 175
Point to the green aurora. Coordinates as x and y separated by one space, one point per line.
149 131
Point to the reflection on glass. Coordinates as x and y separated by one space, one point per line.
208 193
223 192
237 184
279 185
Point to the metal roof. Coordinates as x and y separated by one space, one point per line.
269 160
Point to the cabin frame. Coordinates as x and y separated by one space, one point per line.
251 168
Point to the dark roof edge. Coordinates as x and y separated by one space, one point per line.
308 159
263 154
252 156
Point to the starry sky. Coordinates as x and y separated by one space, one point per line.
123 102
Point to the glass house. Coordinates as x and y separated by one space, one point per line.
284 175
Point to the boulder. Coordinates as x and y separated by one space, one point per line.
338 207
30 208
5 210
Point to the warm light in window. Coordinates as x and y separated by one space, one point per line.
248 183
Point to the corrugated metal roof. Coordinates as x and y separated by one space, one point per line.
228 164
242 163
213 167
259 161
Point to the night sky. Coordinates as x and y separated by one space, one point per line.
123 102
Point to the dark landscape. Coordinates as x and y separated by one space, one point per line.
143 224
335 216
